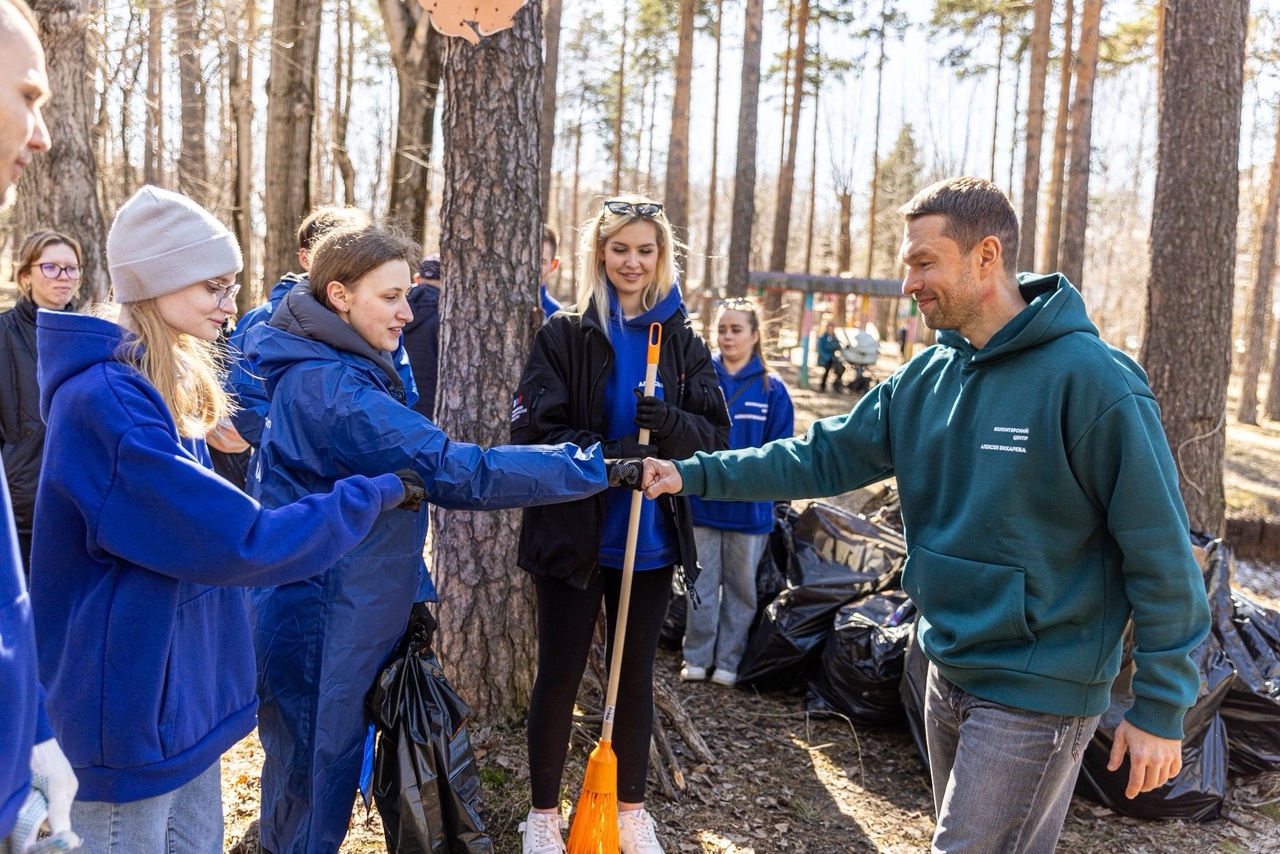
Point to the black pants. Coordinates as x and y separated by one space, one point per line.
836 366
566 622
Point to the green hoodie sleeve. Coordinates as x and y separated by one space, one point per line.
838 454
1123 463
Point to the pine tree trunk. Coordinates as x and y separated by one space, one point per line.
1272 408
744 184
1040 33
787 175
1187 349
709 286
676 195
291 84
1260 301
1076 217
344 87
492 214
1053 212
153 133
547 137
193 171
242 34
875 146
59 188
995 109
620 103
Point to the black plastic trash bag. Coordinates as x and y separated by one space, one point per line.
839 557
862 661
425 780
915 679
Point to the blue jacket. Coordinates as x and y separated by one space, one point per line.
241 382
146 655
337 408
550 305
25 723
761 411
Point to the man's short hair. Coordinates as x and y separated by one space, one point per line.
325 219
972 209
549 236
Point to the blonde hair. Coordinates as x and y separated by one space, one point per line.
592 238
185 370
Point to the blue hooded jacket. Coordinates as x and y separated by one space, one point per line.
761 411
338 407
145 650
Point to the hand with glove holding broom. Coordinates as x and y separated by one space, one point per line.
578 386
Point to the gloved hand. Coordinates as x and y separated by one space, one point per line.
60 785
654 414
415 490
625 473
627 446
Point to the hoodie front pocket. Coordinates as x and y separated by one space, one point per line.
974 613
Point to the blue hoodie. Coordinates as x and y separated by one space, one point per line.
761 411
144 649
241 381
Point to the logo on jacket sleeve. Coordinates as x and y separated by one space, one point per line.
1009 440
518 409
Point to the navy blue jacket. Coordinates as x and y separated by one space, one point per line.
144 645
760 410
421 339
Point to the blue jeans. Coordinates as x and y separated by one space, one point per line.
1002 777
715 633
187 820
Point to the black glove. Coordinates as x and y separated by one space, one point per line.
627 446
656 415
625 473
415 490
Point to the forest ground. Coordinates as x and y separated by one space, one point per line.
784 781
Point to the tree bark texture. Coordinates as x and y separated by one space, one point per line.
1053 208
242 34
416 53
59 188
620 103
551 72
1260 300
744 184
1187 349
153 133
1272 408
1040 32
787 174
1076 217
709 287
492 221
193 173
676 195
291 85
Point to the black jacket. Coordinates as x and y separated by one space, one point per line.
422 343
561 399
21 427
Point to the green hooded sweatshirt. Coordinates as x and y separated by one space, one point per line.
1041 510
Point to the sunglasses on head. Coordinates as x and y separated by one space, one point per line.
630 209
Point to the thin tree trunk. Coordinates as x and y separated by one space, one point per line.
744 185
492 213
995 112
1273 384
193 170
813 186
1193 242
787 175
788 55
58 189
1040 38
708 273
1053 217
620 103
551 71
153 133
875 146
676 195
1260 301
295 47
1076 217
344 87
577 214
242 34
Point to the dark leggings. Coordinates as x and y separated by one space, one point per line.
566 622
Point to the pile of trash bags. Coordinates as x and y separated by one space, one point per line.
842 630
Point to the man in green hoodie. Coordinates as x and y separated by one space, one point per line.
1041 511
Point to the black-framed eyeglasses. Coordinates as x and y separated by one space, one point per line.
222 293
633 208
53 271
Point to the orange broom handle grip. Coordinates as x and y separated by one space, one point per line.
629 556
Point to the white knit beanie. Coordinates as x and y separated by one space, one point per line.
162 242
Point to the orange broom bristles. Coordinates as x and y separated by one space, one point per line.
595 822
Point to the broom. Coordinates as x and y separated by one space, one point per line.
595 822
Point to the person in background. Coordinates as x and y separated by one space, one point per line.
550 263
338 406
829 358
422 334
140 550
35 776
732 535
48 274
581 385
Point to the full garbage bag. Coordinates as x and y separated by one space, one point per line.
425 780
862 660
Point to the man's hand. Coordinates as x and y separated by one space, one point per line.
1153 760
660 477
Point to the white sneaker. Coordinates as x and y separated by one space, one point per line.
541 832
726 678
636 834
689 673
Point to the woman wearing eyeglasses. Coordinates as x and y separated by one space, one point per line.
48 273
140 552
581 385
731 535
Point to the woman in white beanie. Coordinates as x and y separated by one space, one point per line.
140 550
